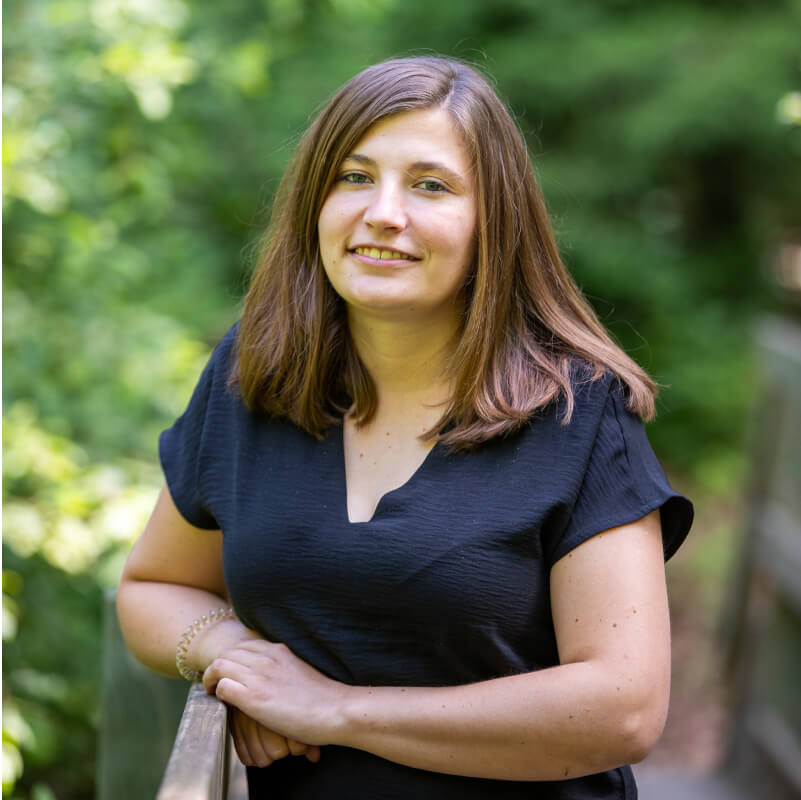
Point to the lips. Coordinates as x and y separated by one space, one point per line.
382 253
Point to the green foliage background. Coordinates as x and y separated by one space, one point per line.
142 142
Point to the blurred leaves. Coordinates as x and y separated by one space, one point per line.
788 109
142 142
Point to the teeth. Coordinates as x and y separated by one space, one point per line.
374 252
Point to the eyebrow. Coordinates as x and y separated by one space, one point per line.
418 166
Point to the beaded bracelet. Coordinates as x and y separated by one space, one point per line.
183 645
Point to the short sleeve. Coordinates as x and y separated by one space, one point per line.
183 446
623 482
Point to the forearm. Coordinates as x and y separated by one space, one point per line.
553 724
153 617
604 706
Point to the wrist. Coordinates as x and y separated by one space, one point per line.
350 715
211 641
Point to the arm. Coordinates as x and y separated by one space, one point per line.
172 576
603 706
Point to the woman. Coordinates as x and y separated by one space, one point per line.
417 468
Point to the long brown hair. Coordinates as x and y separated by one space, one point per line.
525 326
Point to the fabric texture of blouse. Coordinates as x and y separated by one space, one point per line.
447 584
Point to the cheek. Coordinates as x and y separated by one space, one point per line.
333 263
462 240
338 211
324 224
329 237
330 215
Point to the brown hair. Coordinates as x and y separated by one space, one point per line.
526 325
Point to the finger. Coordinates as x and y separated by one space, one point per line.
297 748
273 743
232 692
210 677
223 668
250 733
235 664
313 753
209 680
241 744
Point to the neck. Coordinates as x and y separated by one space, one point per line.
405 360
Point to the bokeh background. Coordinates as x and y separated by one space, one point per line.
142 142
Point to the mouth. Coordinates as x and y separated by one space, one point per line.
382 254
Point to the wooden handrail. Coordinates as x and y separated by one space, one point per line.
202 764
763 621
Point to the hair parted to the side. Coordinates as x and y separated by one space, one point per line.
525 326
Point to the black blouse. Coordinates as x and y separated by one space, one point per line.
447 584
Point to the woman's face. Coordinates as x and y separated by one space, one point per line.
397 230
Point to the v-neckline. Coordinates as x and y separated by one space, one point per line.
344 480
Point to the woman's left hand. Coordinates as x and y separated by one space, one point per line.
270 684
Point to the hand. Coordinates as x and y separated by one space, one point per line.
270 684
218 637
257 746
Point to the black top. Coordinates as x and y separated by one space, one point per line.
447 584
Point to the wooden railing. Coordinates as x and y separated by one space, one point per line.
154 739
763 631
202 764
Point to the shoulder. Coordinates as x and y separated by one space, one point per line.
225 351
603 422
215 381
591 385
572 433
593 393
557 441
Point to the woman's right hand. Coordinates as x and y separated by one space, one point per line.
258 746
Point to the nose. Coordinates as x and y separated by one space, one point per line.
386 209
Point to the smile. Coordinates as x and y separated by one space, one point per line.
374 252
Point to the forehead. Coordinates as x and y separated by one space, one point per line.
423 135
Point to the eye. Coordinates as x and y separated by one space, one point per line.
354 177
432 185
